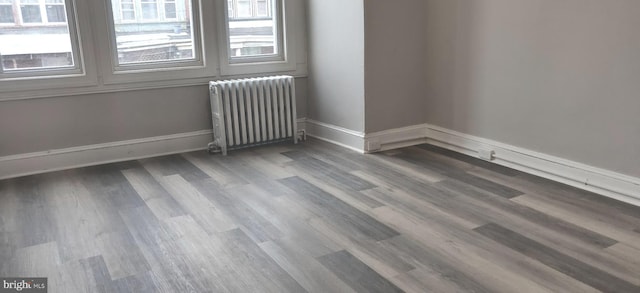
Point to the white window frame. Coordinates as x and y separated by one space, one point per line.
164 9
44 17
253 9
277 13
43 9
162 70
256 11
82 73
158 15
285 60
100 74
237 10
15 19
138 11
122 10
21 15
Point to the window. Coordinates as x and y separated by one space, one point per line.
127 10
39 50
262 8
62 47
149 9
254 34
6 12
55 11
30 10
244 8
154 42
33 11
170 9
238 9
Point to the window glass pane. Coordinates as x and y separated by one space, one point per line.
6 14
244 8
262 9
128 10
160 40
128 15
170 9
251 36
31 13
36 48
56 13
149 9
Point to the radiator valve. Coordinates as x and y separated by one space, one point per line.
213 148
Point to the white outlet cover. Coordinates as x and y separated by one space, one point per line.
486 154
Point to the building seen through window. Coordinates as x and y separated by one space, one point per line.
253 28
34 34
151 31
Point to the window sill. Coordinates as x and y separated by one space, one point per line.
17 86
99 88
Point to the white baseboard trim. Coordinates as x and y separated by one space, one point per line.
347 138
90 155
395 138
608 183
75 157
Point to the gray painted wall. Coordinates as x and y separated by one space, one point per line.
395 43
61 122
560 77
336 62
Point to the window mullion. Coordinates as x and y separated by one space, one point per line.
43 11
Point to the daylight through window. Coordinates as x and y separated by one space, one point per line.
153 31
25 25
6 12
83 45
254 28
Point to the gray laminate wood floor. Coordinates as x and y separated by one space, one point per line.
314 217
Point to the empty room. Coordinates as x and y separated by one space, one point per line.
319 146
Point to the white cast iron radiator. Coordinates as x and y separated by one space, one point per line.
252 111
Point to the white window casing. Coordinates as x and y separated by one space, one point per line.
82 73
284 60
135 72
97 67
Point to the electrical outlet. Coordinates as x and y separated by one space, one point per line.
486 154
